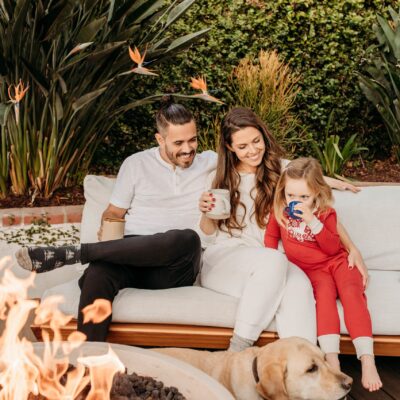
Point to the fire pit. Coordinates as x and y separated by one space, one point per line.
191 382
75 369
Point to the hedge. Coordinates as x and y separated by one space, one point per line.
324 40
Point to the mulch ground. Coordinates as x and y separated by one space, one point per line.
61 197
374 171
370 171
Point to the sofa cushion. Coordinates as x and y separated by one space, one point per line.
97 190
372 219
204 307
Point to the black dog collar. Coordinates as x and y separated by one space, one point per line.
254 368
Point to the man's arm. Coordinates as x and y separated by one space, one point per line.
341 185
110 212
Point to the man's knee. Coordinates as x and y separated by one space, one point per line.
186 238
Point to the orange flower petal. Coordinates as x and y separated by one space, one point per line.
136 57
199 84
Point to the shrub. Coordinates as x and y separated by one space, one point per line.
381 83
323 41
73 58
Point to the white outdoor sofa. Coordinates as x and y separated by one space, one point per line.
198 317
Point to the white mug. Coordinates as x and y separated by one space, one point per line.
113 228
222 205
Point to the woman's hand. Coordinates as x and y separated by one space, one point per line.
206 202
355 260
341 185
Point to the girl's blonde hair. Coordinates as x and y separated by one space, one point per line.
310 170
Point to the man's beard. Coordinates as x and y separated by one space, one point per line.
178 160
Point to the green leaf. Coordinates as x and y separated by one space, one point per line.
89 32
58 107
186 40
37 76
178 11
87 98
4 111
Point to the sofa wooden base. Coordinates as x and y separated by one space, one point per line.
204 337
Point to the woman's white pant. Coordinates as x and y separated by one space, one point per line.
266 286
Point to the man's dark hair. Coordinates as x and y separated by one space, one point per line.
172 113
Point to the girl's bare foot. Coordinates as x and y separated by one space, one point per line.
370 378
333 360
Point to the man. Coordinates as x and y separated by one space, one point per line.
157 192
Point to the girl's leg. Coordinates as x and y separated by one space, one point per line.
254 275
296 312
358 320
328 323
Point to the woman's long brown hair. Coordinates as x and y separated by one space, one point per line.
228 177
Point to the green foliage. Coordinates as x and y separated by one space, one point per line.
332 158
74 57
269 87
381 84
322 40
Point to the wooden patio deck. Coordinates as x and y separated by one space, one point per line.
389 369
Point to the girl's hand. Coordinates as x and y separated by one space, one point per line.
206 202
355 260
307 215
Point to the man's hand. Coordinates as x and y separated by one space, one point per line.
100 232
110 212
341 185
355 260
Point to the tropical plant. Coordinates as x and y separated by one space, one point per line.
381 81
332 158
269 87
63 67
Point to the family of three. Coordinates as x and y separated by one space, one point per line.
164 195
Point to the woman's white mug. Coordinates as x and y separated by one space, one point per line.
112 229
222 204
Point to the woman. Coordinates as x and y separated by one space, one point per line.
235 262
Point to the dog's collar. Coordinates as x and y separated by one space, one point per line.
255 372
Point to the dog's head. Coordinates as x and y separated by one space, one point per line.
295 369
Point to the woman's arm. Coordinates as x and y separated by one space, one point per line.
355 258
341 185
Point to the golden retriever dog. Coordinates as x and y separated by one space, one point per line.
288 369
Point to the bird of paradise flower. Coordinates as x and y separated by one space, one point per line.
19 93
200 83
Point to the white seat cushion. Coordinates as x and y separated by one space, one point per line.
372 219
204 307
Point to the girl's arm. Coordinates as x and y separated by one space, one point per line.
323 228
355 258
272 233
326 234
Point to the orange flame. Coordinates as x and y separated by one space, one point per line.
97 312
23 373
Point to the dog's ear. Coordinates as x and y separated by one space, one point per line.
272 381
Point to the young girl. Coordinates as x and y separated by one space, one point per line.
311 241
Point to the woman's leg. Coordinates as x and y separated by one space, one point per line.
358 320
255 275
296 312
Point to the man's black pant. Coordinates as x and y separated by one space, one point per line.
160 261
